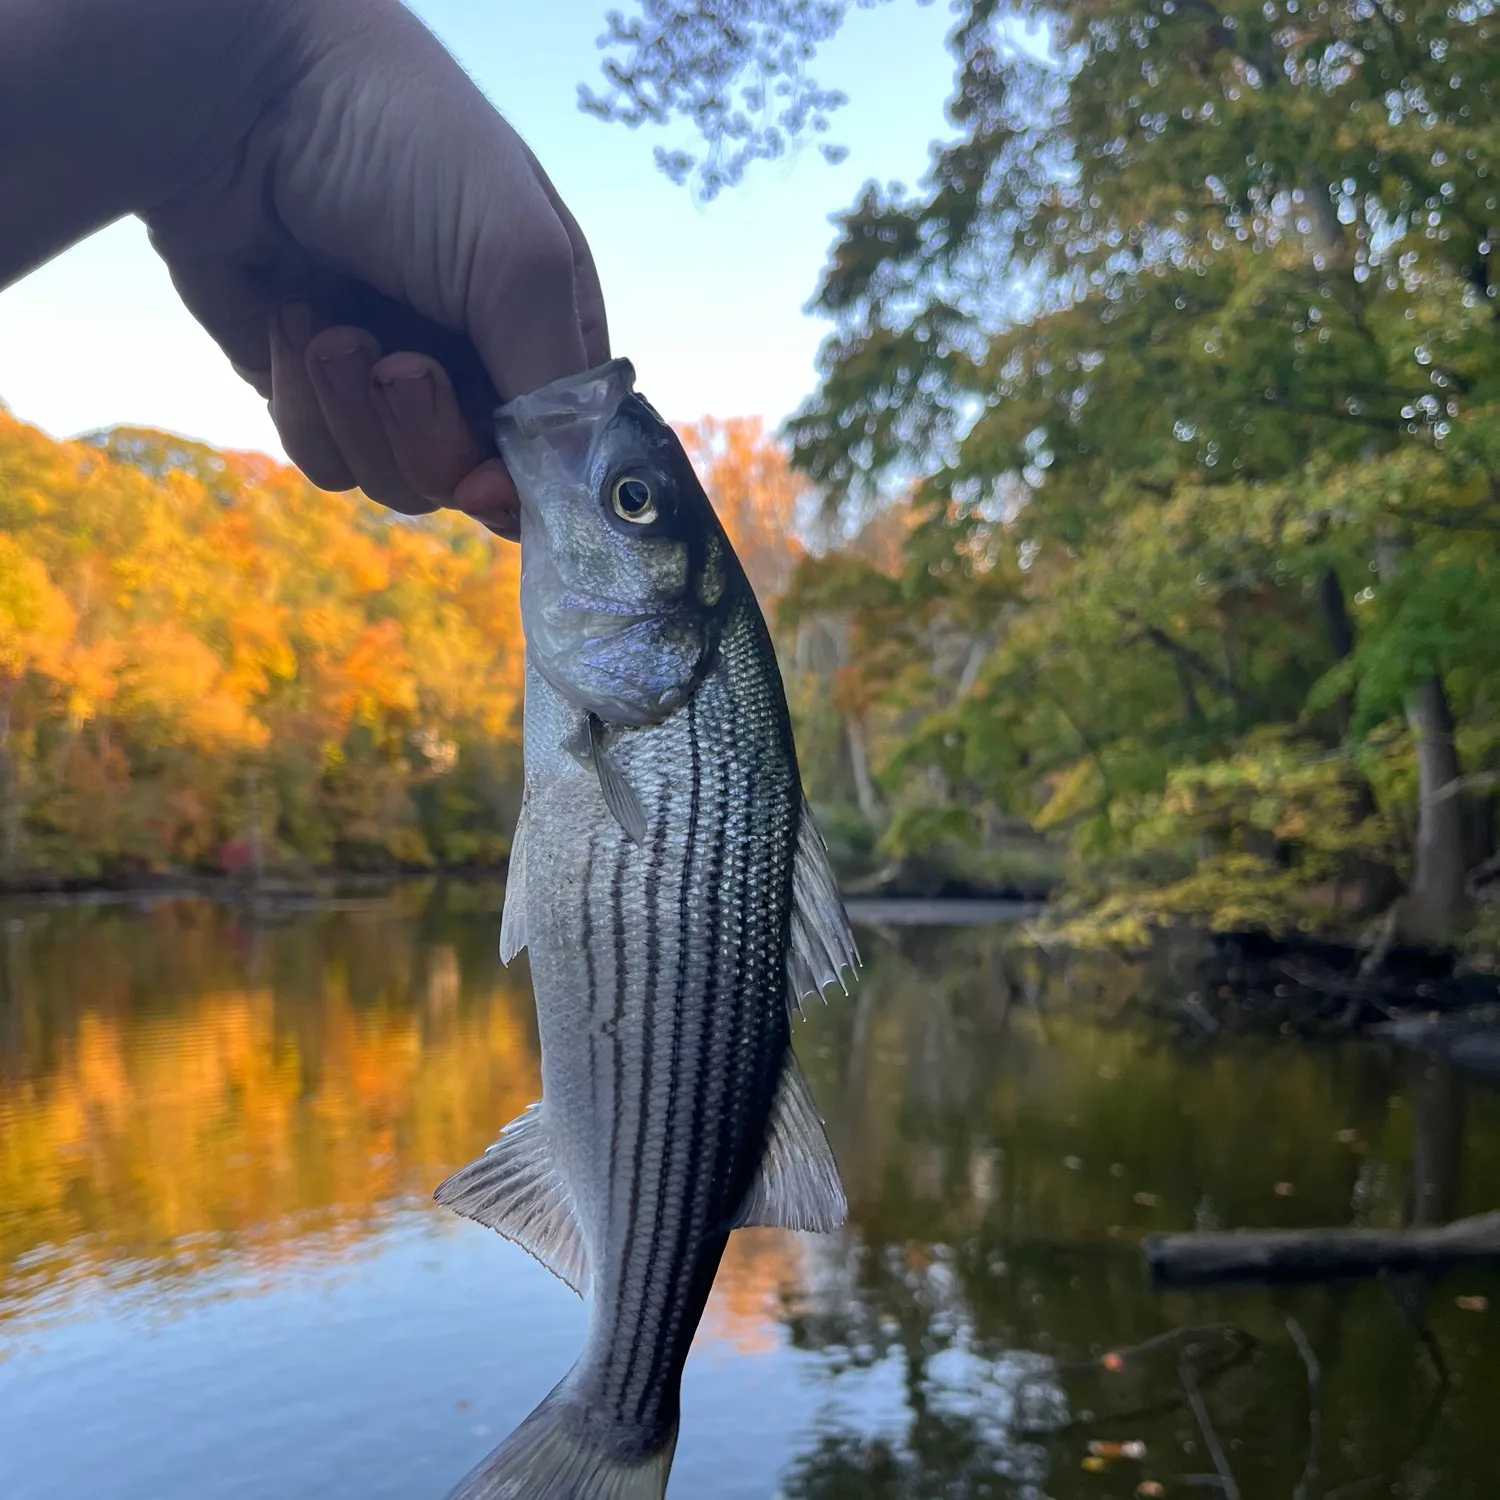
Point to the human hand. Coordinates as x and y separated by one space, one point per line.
380 257
373 247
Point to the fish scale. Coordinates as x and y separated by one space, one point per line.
663 849
689 1193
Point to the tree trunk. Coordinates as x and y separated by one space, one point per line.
1340 630
1192 710
1437 1145
1289 1255
1438 894
864 784
10 811
1336 615
1437 898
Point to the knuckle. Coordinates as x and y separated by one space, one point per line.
537 263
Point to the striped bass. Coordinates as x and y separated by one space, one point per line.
675 899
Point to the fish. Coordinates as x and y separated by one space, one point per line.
674 895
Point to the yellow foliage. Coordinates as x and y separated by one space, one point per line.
202 650
36 620
755 493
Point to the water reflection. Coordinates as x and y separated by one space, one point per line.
177 1087
196 1108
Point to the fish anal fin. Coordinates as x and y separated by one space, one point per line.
797 1185
822 942
513 915
515 1189
619 796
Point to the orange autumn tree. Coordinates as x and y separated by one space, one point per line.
202 656
207 664
756 493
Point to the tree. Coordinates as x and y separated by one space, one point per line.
756 493
1190 332
204 662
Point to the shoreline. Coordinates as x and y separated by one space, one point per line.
963 900
1420 1000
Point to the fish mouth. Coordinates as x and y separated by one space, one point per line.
592 618
591 392
549 434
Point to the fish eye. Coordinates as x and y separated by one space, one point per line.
634 501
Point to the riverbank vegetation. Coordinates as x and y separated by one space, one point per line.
207 667
1179 375
207 664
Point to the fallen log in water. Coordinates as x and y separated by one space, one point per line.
1182 1260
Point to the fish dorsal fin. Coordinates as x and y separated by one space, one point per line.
797 1186
513 916
822 943
619 796
515 1190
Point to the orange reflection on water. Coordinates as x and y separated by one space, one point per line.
759 1275
244 1120
272 1122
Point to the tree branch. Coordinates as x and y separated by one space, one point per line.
1183 655
1206 1427
1314 1411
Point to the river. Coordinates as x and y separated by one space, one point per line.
222 1278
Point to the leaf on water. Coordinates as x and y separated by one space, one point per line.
1134 1450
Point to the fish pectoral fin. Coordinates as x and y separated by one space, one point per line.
513 916
515 1189
822 942
619 796
797 1186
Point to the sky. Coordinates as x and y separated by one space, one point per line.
707 300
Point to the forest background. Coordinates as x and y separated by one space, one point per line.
1138 544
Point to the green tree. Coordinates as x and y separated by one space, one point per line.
1190 333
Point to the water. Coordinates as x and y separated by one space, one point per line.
221 1276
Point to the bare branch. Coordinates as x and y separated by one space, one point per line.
1314 1411
1206 1427
1477 782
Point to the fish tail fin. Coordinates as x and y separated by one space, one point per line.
558 1453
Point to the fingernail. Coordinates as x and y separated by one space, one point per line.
504 522
347 372
411 401
296 324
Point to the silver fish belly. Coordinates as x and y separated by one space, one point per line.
675 899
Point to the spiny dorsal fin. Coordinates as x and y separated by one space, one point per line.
513 917
822 943
797 1186
619 796
515 1190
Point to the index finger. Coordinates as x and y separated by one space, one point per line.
521 301
589 295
